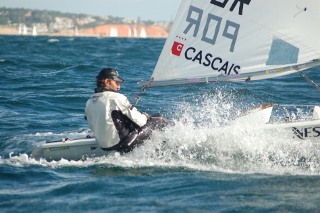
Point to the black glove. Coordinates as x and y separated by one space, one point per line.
147 114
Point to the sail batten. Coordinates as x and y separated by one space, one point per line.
230 40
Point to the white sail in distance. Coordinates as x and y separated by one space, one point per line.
76 31
20 29
114 32
25 31
231 40
135 33
143 33
34 31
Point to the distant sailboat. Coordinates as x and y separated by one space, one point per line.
34 31
129 32
114 32
135 34
20 29
25 31
143 33
76 32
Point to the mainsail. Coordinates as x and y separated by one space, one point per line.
233 40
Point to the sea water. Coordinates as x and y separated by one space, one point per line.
205 165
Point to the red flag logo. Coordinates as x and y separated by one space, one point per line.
177 48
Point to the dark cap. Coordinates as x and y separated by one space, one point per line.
109 73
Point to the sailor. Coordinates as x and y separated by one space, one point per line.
112 119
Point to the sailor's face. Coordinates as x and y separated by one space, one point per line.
112 84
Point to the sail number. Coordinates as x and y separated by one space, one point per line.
234 4
306 132
194 19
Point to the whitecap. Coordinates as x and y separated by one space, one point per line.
52 40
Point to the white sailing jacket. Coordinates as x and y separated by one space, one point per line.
105 112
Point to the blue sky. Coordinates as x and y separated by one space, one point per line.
155 10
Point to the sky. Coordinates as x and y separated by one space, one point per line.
154 10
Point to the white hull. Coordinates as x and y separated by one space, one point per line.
255 119
74 149
80 149
298 129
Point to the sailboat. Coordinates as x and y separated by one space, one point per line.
20 29
114 32
25 31
135 33
143 33
76 31
34 31
129 32
227 41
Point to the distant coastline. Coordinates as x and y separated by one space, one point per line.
26 22
121 30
